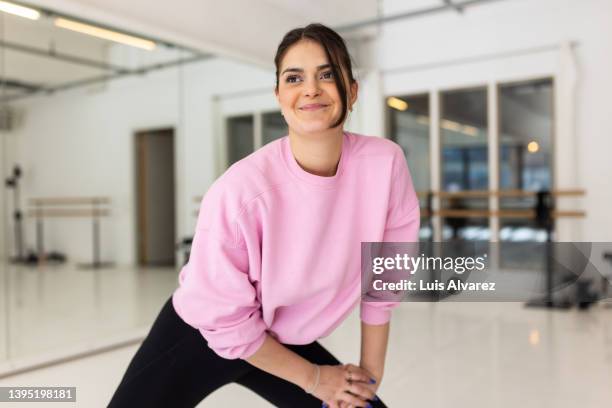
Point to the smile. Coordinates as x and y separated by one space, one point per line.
313 107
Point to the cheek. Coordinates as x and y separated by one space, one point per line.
332 92
286 99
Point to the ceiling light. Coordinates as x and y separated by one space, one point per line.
105 34
533 147
19 10
397 103
450 125
470 130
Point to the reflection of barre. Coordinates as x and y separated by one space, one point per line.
543 210
497 193
66 212
69 200
530 214
95 212
543 213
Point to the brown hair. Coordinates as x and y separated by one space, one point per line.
335 50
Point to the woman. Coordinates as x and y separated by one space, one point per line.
275 261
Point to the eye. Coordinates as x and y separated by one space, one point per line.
291 79
327 75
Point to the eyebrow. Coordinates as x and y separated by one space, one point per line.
320 67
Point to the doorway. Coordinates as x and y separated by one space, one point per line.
155 235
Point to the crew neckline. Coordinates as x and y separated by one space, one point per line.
313 179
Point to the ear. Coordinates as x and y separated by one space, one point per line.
354 88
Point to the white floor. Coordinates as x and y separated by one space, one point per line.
440 355
50 309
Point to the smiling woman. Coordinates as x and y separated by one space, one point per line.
275 260
315 89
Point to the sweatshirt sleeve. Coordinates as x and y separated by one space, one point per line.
403 221
216 295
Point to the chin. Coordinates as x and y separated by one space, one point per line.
312 126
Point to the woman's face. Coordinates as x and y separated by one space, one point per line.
307 93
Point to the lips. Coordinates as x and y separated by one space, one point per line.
313 106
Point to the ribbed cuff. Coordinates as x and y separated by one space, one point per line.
373 313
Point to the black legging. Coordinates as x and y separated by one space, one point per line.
174 367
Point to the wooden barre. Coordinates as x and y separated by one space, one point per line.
64 212
497 193
529 214
69 201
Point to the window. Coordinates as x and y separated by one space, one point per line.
526 127
240 140
464 161
247 133
409 127
525 163
274 127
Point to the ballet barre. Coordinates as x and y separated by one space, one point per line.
543 212
67 207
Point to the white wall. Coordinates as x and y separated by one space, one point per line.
449 50
81 143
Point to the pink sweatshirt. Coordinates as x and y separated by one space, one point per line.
277 249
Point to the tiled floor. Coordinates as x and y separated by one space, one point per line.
441 355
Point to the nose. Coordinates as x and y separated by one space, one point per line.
311 87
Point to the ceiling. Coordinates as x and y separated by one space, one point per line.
37 56
247 30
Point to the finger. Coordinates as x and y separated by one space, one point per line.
361 390
359 374
353 372
353 400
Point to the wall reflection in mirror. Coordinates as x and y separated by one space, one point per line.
92 118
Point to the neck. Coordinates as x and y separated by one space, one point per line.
318 153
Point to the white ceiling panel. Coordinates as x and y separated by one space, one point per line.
246 29
44 71
392 7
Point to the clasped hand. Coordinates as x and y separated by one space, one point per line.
344 386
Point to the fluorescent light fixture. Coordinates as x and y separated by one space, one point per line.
451 125
20 11
470 130
533 147
397 103
104 34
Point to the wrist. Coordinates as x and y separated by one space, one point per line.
312 380
376 370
